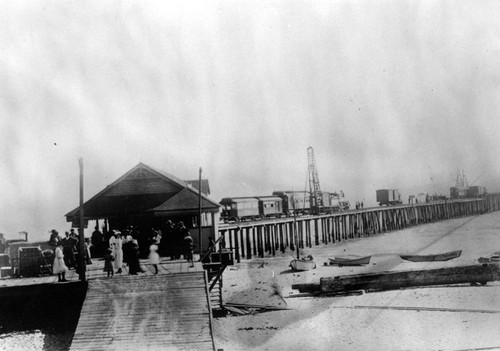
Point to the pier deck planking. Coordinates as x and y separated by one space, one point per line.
95 270
149 312
165 311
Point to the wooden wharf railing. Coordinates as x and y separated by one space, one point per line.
267 237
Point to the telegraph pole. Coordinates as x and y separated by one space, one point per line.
81 256
199 212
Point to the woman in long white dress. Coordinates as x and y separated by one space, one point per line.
154 258
115 243
59 267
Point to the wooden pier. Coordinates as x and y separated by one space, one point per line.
169 311
267 237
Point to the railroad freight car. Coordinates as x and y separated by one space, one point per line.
295 202
337 202
281 203
388 197
270 206
476 191
422 198
458 192
239 208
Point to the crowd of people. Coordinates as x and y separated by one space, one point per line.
66 252
120 248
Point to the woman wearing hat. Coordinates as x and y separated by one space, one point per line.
59 267
115 243
54 237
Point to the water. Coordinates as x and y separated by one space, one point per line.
40 317
36 340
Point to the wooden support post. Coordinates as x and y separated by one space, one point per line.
230 232
332 229
269 238
274 239
254 234
242 241
308 233
316 232
326 231
301 234
236 245
344 227
282 242
277 244
249 248
260 240
82 268
338 228
291 230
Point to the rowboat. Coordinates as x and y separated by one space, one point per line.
435 257
493 258
303 264
350 260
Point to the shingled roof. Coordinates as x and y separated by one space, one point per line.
184 201
205 188
144 189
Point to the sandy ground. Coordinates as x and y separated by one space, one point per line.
435 318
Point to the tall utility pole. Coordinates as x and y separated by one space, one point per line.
314 188
199 213
81 256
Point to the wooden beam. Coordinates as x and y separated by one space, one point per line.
400 279
476 274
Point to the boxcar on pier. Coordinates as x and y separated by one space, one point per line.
239 208
270 206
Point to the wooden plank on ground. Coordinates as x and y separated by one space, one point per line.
402 279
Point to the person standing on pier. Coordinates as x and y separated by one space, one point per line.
54 237
176 241
97 240
127 249
88 245
166 244
188 247
67 248
134 265
115 243
154 258
73 239
108 262
59 267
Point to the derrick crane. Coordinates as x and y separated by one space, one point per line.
461 181
314 188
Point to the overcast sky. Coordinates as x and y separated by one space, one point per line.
388 93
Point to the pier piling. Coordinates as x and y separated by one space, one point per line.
250 239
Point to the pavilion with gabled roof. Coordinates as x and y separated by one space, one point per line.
146 198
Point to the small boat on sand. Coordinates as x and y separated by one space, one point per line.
303 264
446 256
350 260
493 258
